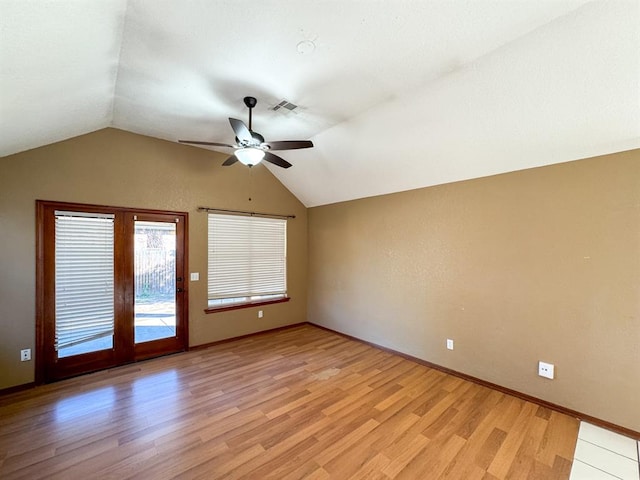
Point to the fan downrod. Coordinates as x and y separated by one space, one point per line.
250 102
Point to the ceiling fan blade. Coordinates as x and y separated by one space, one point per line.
290 144
257 138
241 130
214 144
230 161
276 160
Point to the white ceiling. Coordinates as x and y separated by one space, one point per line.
396 95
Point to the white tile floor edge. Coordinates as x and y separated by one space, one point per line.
602 454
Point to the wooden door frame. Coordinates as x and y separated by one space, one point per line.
121 297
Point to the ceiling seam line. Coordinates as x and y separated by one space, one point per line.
123 26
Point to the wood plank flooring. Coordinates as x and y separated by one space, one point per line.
291 404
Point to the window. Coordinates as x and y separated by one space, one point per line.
247 260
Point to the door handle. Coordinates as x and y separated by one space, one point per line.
179 290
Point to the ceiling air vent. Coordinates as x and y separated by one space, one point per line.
284 104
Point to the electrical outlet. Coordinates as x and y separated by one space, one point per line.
25 355
260 314
449 344
546 370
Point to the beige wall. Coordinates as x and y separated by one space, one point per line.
542 264
112 167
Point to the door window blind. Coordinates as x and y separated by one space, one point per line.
246 257
84 277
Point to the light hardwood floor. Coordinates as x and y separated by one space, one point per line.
291 404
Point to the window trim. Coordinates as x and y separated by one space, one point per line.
238 306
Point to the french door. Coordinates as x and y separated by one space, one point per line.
110 287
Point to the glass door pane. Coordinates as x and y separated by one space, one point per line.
84 282
155 280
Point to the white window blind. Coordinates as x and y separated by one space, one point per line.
84 269
247 257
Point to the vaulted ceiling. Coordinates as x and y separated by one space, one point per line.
394 94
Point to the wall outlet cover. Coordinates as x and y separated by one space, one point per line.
546 370
449 344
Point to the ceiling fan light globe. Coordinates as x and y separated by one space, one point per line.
249 156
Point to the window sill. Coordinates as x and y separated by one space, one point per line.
238 306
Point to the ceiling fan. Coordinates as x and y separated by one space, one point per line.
250 146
